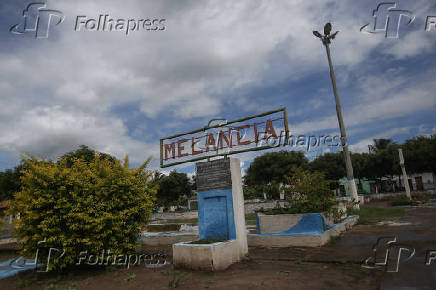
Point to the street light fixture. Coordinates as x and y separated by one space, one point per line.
326 40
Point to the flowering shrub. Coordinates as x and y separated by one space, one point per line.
82 206
309 192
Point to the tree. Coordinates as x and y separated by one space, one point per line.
331 164
79 205
382 161
380 144
272 167
10 182
172 187
193 182
420 154
87 154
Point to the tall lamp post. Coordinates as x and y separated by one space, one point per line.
326 40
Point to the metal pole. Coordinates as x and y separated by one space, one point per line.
403 169
348 165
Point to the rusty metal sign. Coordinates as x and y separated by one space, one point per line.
259 132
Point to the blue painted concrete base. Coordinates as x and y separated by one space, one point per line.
14 266
307 233
310 224
215 215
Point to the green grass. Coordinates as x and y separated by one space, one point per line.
403 201
250 217
370 215
24 282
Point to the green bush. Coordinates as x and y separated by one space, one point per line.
271 190
309 192
79 205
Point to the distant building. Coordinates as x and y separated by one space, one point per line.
417 182
364 186
193 202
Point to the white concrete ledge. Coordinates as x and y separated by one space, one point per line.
210 257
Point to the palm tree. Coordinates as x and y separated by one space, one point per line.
380 144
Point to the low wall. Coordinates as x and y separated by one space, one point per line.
380 196
176 215
251 206
287 241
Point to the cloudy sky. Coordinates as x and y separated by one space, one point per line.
120 93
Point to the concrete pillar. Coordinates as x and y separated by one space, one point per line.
238 205
403 169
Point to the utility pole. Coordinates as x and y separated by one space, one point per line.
326 40
403 168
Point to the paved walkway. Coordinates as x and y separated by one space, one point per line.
417 229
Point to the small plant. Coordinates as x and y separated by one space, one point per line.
298 261
130 277
337 214
177 275
283 273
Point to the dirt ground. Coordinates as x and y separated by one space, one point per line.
334 266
